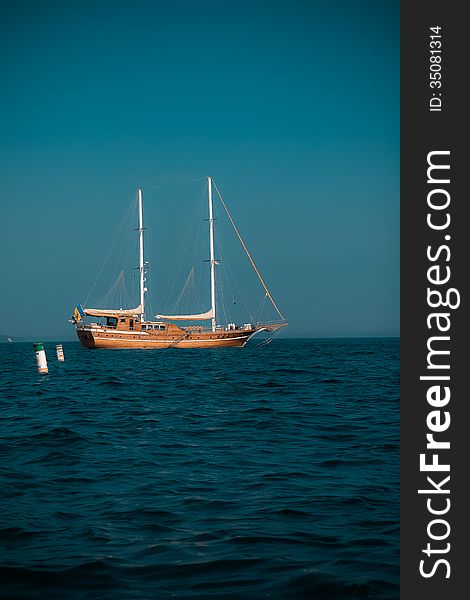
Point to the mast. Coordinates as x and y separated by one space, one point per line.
211 241
141 256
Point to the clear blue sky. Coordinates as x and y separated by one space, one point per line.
293 108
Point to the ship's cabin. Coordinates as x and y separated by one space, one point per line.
153 326
127 323
120 322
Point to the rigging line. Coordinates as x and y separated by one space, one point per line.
247 253
105 261
114 287
220 284
187 283
167 296
229 275
169 288
269 339
262 304
162 185
221 295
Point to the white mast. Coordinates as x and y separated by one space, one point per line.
141 257
211 239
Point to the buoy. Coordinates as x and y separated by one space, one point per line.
41 357
60 353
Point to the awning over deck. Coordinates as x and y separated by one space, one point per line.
199 317
98 312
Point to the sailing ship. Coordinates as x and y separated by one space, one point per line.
129 328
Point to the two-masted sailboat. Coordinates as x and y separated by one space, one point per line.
128 328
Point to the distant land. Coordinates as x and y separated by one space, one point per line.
46 338
5 338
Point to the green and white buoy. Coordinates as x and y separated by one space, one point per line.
41 357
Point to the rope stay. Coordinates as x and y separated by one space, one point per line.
117 294
192 239
231 282
268 340
261 307
247 253
124 221
170 184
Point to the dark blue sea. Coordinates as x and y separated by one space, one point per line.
263 472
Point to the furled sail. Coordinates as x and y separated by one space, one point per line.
200 317
98 312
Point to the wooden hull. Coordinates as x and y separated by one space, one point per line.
102 338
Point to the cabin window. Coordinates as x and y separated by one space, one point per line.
122 320
111 322
131 323
144 327
161 327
